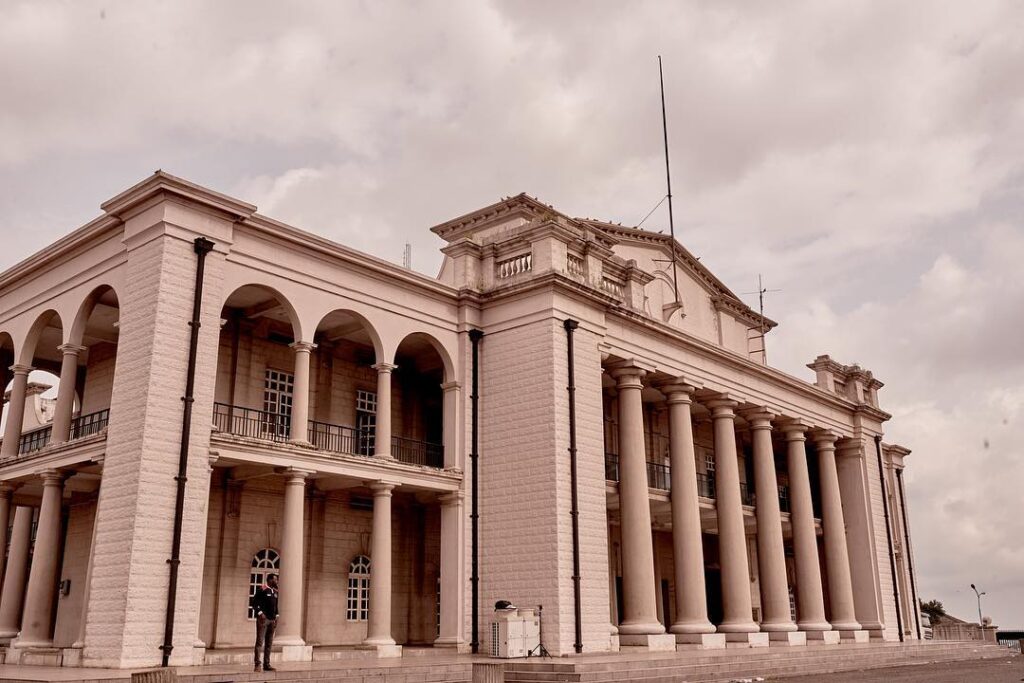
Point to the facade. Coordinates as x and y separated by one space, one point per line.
393 445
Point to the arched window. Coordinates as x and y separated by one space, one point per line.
264 563
358 606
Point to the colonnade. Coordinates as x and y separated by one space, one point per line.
639 623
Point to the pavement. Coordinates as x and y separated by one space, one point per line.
997 670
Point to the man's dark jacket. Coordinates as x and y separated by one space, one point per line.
265 602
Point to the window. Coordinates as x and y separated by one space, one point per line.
277 402
264 563
366 421
709 464
358 606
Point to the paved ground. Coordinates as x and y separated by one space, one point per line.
1000 670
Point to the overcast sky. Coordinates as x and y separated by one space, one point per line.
866 158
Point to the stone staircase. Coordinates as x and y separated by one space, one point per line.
726 665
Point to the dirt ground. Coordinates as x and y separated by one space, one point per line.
1000 670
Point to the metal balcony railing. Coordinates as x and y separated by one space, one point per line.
658 475
81 426
705 486
333 438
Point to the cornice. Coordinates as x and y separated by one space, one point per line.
160 182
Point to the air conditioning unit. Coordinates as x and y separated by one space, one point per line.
514 633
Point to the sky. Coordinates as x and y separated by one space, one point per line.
866 158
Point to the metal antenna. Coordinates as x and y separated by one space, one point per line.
668 182
407 256
761 291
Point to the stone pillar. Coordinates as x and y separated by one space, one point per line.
61 431
16 573
15 412
691 622
299 432
737 608
640 612
837 558
810 602
37 618
452 544
382 438
450 437
379 628
852 469
289 627
775 617
5 516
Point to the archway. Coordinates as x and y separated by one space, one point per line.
417 384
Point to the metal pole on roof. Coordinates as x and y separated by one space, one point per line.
668 182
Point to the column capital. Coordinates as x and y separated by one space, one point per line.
21 369
722 406
848 448
452 498
7 488
294 475
450 386
302 346
795 430
678 390
71 349
383 368
382 488
760 417
824 439
52 477
628 375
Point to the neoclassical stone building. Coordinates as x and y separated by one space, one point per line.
546 422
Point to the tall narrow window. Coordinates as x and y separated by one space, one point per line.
264 563
358 604
366 421
277 403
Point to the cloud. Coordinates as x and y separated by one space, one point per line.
865 158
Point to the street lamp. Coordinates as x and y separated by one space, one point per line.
979 602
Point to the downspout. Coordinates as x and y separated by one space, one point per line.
202 247
474 578
907 553
888 538
574 512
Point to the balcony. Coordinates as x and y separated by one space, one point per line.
332 438
81 427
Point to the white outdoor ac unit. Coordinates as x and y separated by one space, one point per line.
514 633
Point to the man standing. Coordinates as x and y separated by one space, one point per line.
264 604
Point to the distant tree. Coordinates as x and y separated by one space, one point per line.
934 610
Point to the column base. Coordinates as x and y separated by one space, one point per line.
383 651
692 628
787 638
460 646
34 655
653 642
701 641
296 653
739 627
855 636
746 639
822 636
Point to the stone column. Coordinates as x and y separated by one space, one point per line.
382 438
5 517
640 611
852 468
379 628
299 432
61 431
810 602
16 573
450 438
771 557
837 558
15 411
737 608
687 544
452 530
289 627
37 618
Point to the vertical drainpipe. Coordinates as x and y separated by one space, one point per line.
888 538
574 512
906 551
474 579
202 247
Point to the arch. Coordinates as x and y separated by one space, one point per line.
99 294
35 333
339 317
357 603
448 367
265 562
248 292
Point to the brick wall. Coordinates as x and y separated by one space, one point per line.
99 377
